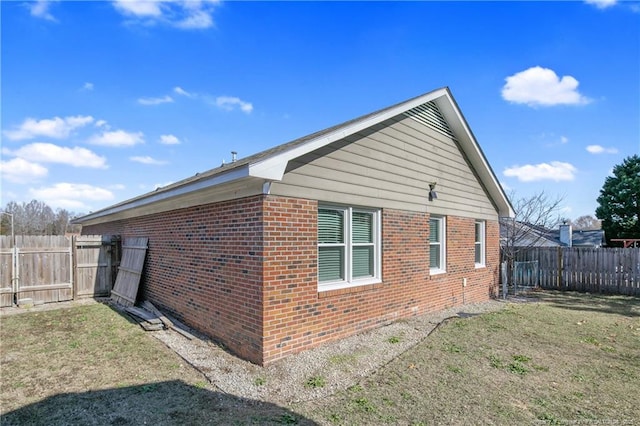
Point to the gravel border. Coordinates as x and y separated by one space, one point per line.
318 372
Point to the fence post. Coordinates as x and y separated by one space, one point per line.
559 282
503 273
74 265
15 274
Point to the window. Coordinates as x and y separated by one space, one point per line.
436 245
480 244
348 247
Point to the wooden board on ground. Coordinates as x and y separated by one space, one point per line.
170 323
143 315
125 290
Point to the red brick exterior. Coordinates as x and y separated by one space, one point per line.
204 265
245 273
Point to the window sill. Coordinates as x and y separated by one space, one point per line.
480 265
437 271
334 289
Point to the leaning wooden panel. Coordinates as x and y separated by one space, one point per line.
125 290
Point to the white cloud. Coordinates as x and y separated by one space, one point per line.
230 103
137 8
556 171
539 86
87 86
597 149
155 101
117 138
169 140
102 123
70 195
227 103
40 9
183 14
564 139
196 20
180 91
147 160
19 170
57 128
50 153
602 4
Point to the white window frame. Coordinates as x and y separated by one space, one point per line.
480 243
349 281
442 225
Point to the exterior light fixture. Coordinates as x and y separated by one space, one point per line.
433 195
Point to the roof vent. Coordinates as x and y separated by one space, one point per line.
429 114
234 156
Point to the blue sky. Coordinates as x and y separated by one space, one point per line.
103 101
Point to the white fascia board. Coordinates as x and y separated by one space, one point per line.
154 197
273 168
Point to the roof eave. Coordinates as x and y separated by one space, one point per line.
273 167
162 195
472 149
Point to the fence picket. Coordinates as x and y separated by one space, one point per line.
43 268
602 270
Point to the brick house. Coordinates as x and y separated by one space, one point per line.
325 236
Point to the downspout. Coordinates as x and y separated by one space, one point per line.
266 187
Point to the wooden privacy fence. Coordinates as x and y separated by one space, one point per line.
53 268
596 270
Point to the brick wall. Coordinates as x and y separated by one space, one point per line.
245 273
290 275
297 317
204 265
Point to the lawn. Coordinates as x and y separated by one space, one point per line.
90 365
566 359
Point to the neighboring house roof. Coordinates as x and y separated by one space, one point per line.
270 165
529 235
585 238
521 234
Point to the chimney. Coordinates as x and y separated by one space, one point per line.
566 235
234 156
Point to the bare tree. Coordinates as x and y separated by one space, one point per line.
534 217
36 218
586 223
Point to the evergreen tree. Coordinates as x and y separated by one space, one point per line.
619 201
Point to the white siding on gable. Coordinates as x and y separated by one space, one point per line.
391 166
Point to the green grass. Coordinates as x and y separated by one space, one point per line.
90 365
315 382
567 359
